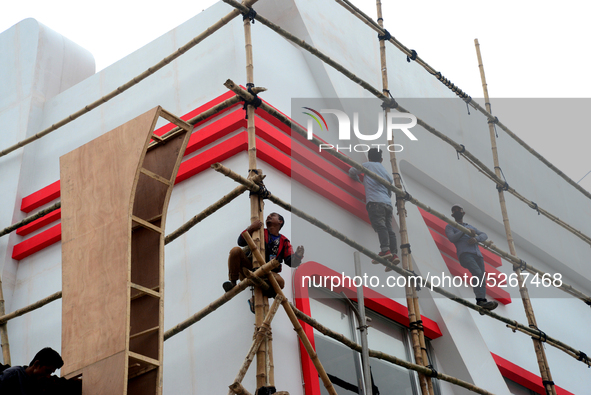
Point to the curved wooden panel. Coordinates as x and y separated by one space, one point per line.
115 193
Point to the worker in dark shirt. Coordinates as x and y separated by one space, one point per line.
277 247
32 379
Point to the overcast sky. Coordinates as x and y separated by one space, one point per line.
531 49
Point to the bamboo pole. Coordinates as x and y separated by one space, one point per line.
412 301
260 272
262 332
383 356
463 95
238 389
196 40
296 325
34 306
4 331
30 219
515 261
261 303
206 213
420 280
529 312
420 122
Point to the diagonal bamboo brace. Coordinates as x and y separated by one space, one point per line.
292 317
238 389
262 332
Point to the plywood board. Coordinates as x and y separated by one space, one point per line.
97 182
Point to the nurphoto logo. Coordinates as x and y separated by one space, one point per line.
392 123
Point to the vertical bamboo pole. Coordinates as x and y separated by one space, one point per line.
412 301
261 303
538 346
4 331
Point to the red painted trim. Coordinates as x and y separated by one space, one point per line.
373 300
439 225
37 242
41 197
40 223
214 131
524 377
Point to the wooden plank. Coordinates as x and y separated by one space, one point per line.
147 331
176 120
145 290
142 358
155 176
146 224
107 376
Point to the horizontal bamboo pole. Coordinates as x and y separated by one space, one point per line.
31 307
260 335
134 81
383 356
423 282
260 272
514 260
463 95
30 219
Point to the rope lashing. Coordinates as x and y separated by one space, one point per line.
255 102
583 357
458 152
263 192
418 325
494 122
451 86
251 14
407 196
541 336
385 36
535 207
468 101
434 372
388 102
407 245
413 56
522 265
502 187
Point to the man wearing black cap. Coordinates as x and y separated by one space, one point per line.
469 254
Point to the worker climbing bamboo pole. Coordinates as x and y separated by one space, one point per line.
261 303
414 313
538 346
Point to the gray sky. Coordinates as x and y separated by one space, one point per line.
531 49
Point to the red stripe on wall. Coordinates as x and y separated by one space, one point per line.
37 242
41 197
40 223
524 377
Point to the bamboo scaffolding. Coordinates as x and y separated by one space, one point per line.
529 312
514 260
383 356
34 306
261 334
412 301
260 272
196 40
464 96
459 148
294 321
421 281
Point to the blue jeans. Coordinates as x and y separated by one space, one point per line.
475 264
380 216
